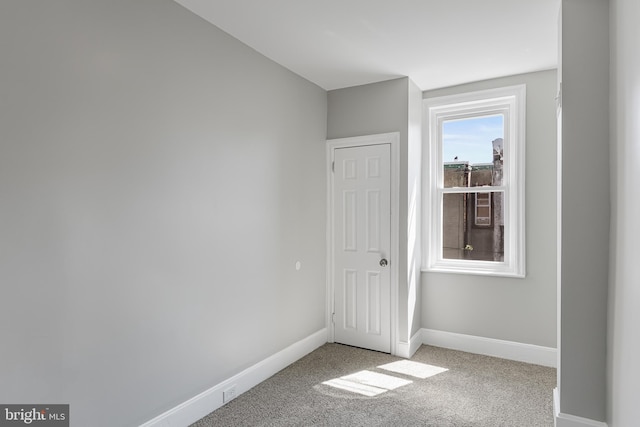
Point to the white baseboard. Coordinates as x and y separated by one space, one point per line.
567 420
408 349
535 354
209 400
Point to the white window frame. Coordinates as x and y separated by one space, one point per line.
510 102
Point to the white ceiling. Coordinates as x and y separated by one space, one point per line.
437 43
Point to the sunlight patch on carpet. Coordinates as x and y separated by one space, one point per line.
365 390
367 383
414 369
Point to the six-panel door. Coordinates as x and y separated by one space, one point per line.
361 245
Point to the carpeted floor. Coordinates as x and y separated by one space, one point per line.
338 385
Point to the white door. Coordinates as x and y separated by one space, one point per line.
361 246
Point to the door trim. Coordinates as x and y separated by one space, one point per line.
393 139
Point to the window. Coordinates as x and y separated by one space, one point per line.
483 210
474 185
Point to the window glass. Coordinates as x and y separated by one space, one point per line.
471 228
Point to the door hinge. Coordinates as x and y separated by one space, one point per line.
333 318
333 166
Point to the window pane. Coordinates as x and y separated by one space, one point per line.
483 199
471 230
482 213
472 151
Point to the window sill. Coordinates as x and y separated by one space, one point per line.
486 268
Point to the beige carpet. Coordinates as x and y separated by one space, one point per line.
338 385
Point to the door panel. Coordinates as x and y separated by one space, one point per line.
362 238
350 299
373 304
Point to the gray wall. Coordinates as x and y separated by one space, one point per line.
388 106
158 180
624 294
584 73
520 310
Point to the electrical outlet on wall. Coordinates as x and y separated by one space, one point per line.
229 394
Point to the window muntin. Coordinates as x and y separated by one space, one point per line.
474 198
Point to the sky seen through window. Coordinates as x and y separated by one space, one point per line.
470 139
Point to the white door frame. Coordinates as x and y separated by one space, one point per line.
393 139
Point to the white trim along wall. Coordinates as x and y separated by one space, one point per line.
528 353
567 420
209 400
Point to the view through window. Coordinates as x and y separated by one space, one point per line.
473 221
